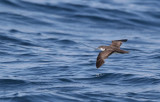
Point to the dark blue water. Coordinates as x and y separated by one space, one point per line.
44 53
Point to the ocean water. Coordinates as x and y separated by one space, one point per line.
47 50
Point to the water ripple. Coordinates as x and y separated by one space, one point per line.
47 50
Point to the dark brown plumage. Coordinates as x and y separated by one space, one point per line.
108 50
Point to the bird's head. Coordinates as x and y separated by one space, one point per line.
102 48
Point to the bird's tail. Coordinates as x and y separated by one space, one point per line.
121 51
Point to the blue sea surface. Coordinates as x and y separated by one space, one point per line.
47 50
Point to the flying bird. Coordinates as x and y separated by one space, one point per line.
106 51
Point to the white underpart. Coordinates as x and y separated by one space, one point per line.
102 49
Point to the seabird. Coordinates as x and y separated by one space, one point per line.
108 50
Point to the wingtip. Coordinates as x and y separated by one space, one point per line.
97 67
99 63
123 40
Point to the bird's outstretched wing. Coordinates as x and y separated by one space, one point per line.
103 55
117 43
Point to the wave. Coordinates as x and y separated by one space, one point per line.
41 97
66 42
15 40
45 8
107 77
22 19
142 81
9 82
10 3
65 80
45 48
69 12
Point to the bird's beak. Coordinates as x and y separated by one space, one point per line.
97 49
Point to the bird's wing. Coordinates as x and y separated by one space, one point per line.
117 43
103 55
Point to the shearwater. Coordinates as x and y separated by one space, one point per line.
106 51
